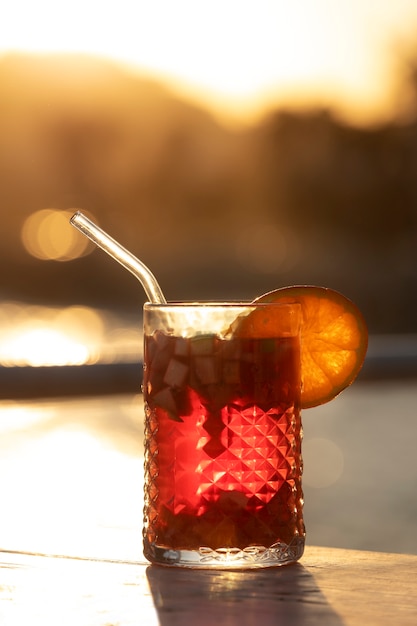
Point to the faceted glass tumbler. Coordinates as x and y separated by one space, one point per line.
223 435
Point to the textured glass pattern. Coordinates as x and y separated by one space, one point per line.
243 503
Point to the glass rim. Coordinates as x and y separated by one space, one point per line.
180 304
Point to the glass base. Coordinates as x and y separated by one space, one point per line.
251 557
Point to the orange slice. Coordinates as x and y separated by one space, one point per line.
334 339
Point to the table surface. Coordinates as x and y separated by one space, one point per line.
328 586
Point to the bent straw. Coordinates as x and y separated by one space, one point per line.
121 255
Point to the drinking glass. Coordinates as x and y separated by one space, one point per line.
222 435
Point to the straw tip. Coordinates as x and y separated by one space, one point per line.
75 217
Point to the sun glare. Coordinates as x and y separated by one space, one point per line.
43 346
75 335
234 55
40 336
66 477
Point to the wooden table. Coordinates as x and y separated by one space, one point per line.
331 587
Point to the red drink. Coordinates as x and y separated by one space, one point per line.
223 443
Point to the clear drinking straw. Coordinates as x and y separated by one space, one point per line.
121 255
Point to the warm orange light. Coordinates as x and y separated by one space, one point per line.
239 57
42 336
267 248
76 335
43 346
48 235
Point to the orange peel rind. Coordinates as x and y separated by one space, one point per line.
334 338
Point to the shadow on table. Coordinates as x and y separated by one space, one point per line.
284 595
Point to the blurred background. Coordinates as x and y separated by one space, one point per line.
235 148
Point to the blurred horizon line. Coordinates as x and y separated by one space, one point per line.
232 111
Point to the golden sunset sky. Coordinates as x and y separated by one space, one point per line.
236 55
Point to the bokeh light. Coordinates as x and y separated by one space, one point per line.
75 335
47 235
43 346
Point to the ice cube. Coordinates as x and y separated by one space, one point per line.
159 350
181 347
206 369
231 348
165 400
202 344
176 373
